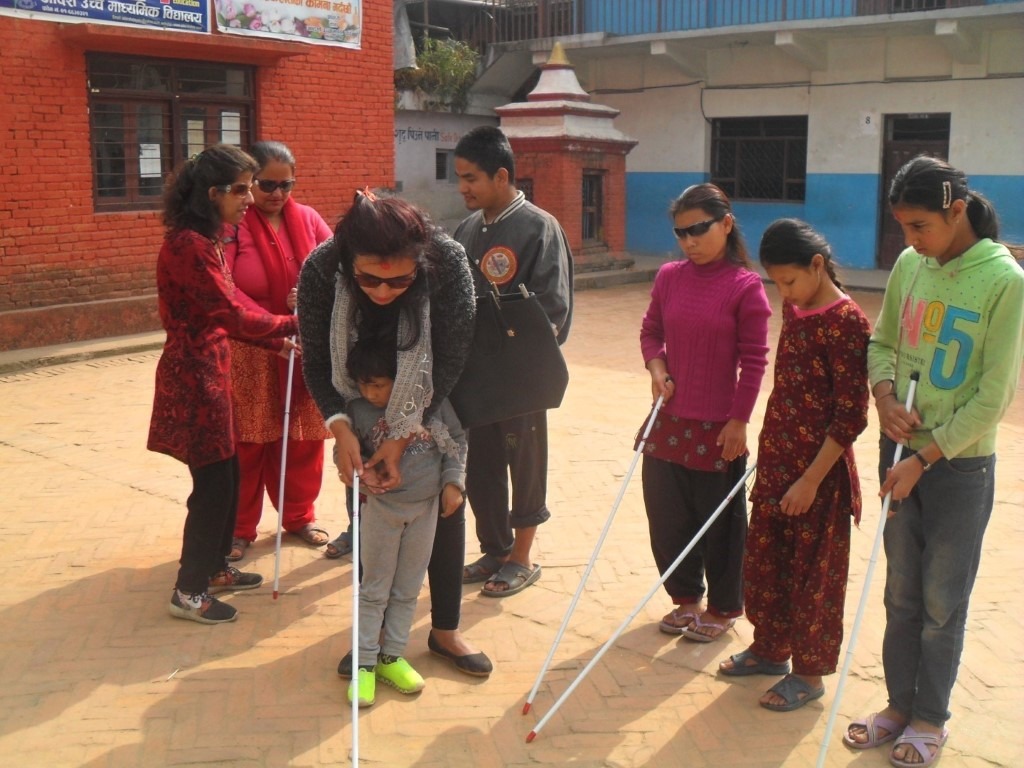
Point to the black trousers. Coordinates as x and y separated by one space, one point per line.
209 525
517 448
679 501
444 573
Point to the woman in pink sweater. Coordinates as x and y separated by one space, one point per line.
704 340
272 242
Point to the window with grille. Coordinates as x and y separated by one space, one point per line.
444 165
760 158
593 206
147 115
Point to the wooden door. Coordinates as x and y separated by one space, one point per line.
906 137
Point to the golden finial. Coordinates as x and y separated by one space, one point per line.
558 57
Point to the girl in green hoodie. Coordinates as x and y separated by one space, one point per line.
954 312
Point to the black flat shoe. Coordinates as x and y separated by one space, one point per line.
476 664
345 666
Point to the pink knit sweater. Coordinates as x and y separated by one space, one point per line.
708 322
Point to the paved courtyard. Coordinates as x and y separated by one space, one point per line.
94 672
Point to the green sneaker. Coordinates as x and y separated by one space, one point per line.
399 674
367 688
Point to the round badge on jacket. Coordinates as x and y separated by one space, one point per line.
499 265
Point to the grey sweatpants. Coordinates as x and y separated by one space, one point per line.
396 538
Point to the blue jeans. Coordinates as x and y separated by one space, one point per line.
932 549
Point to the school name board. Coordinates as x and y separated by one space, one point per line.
327 22
181 15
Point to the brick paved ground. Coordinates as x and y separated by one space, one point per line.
93 672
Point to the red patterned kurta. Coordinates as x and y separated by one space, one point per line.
795 568
192 418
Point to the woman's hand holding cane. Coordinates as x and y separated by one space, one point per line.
346 451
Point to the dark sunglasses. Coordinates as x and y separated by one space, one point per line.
270 187
240 189
695 230
372 281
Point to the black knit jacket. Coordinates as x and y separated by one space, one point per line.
452 315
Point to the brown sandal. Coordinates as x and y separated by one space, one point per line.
238 547
315 537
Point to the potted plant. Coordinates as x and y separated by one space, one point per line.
445 71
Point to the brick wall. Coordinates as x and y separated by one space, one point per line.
67 273
557 167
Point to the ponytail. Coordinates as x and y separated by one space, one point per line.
982 215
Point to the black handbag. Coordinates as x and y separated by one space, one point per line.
514 367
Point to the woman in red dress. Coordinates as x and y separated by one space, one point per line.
192 419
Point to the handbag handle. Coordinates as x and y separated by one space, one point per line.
500 316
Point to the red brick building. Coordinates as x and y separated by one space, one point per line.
572 159
94 116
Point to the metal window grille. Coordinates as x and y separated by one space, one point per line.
484 22
761 158
593 205
444 165
146 116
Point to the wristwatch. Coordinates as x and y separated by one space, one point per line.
924 462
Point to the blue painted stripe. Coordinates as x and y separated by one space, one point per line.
844 207
651 16
1006 194
648 197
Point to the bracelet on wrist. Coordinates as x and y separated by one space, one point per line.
879 398
925 464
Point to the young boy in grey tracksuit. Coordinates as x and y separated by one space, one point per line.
397 527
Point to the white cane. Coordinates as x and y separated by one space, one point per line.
622 627
284 463
861 607
593 557
355 618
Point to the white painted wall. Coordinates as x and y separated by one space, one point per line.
668 123
845 103
418 136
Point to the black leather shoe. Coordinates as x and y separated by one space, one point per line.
345 666
476 664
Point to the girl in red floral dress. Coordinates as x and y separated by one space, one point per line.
798 542
192 418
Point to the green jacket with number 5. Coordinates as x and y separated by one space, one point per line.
961 326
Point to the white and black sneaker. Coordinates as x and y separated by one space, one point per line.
201 607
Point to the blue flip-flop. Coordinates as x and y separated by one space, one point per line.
790 688
740 667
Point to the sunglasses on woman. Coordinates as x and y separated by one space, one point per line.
269 187
372 281
241 189
695 230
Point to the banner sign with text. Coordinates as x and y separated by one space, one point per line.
329 22
183 15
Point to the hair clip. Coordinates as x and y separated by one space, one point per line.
947 194
367 193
